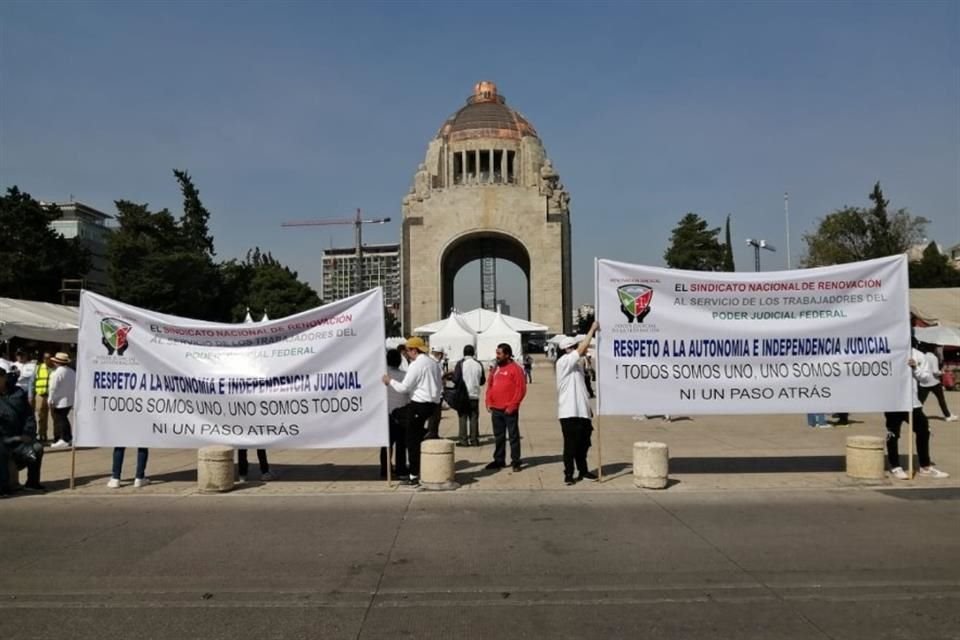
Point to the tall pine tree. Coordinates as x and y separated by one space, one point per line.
728 250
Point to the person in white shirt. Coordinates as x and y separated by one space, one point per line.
28 373
398 405
469 374
573 407
933 383
921 428
63 384
424 383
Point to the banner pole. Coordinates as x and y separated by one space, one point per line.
910 447
73 463
389 459
599 453
596 364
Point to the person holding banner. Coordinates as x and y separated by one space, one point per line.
424 384
573 407
397 414
139 479
243 465
506 389
921 428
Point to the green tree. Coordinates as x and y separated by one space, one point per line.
851 234
262 284
159 262
728 264
933 270
694 246
34 259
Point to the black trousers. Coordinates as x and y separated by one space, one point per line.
576 443
938 392
61 424
433 424
921 428
505 425
399 419
244 466
8 458
420 412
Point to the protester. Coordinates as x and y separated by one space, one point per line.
528 367
573 407
18 430
28 372
424 384
818 421
243 465
63 383
41 388
139 479
934 382
398 416
469 374
505 391
433 425
921 428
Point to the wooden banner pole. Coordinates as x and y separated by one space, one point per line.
389 460
73 463
599 453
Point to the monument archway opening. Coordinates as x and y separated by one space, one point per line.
486 248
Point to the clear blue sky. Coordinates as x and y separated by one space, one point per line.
649 110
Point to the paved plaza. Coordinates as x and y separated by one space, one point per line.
706 453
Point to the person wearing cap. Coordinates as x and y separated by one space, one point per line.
506 388
573 407
423 382
18 431
398 410
63 384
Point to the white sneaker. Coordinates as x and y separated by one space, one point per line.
140 482
114 483
933 472
242 480
899 473
825 426
667 419
60 444
952 418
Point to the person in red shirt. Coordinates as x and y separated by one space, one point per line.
506 388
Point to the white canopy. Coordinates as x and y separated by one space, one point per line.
498 332
43 321
452 337
944 334
478 320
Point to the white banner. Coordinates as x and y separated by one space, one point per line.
311 380
824 340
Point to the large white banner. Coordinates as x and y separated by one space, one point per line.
824 340
311 380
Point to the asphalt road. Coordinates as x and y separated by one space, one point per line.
861 563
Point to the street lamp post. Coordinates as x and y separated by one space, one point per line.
757 245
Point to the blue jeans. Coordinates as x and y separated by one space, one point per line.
505 425
118 462
816 419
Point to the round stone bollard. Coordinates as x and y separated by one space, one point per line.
437 465
865 457
215 469
650 464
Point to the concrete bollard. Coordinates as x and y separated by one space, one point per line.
437 465
865 457
215 469
650 464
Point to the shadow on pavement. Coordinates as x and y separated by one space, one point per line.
784 464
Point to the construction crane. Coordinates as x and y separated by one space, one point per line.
358 221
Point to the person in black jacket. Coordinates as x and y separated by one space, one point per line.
18 432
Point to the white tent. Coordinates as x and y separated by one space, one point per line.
452 337
43 321
497 332
478 320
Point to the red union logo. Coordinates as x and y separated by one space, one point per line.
635 301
